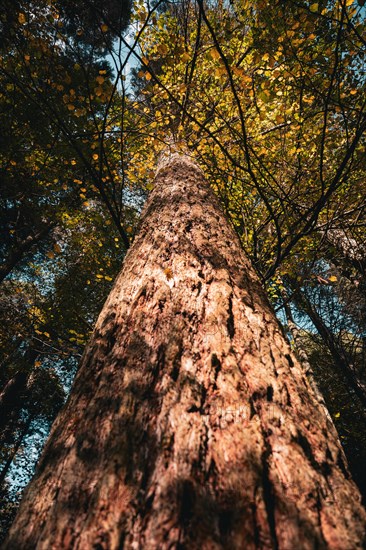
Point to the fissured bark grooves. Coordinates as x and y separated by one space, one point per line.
190 423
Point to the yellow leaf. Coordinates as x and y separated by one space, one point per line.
108 278
333 279
169 273
104 28
314 7
100 79
99 276
337 415
162 48
21 18
142 16
148 76
220 71
95 156
37 363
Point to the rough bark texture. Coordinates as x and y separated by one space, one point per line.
190 423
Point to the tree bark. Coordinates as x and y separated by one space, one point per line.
190 423
13 452
23 247
302 353
11 396
352 251
339 354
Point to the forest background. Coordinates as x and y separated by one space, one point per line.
269 98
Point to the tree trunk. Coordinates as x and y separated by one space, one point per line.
190 423
12 395
10 398
353 252
339 354
302 353
22 248
13 452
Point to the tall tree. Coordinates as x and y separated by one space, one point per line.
190 423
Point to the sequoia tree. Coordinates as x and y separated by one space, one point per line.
190 423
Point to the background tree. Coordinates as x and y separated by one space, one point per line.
56 273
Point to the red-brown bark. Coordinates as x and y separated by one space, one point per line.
190 423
